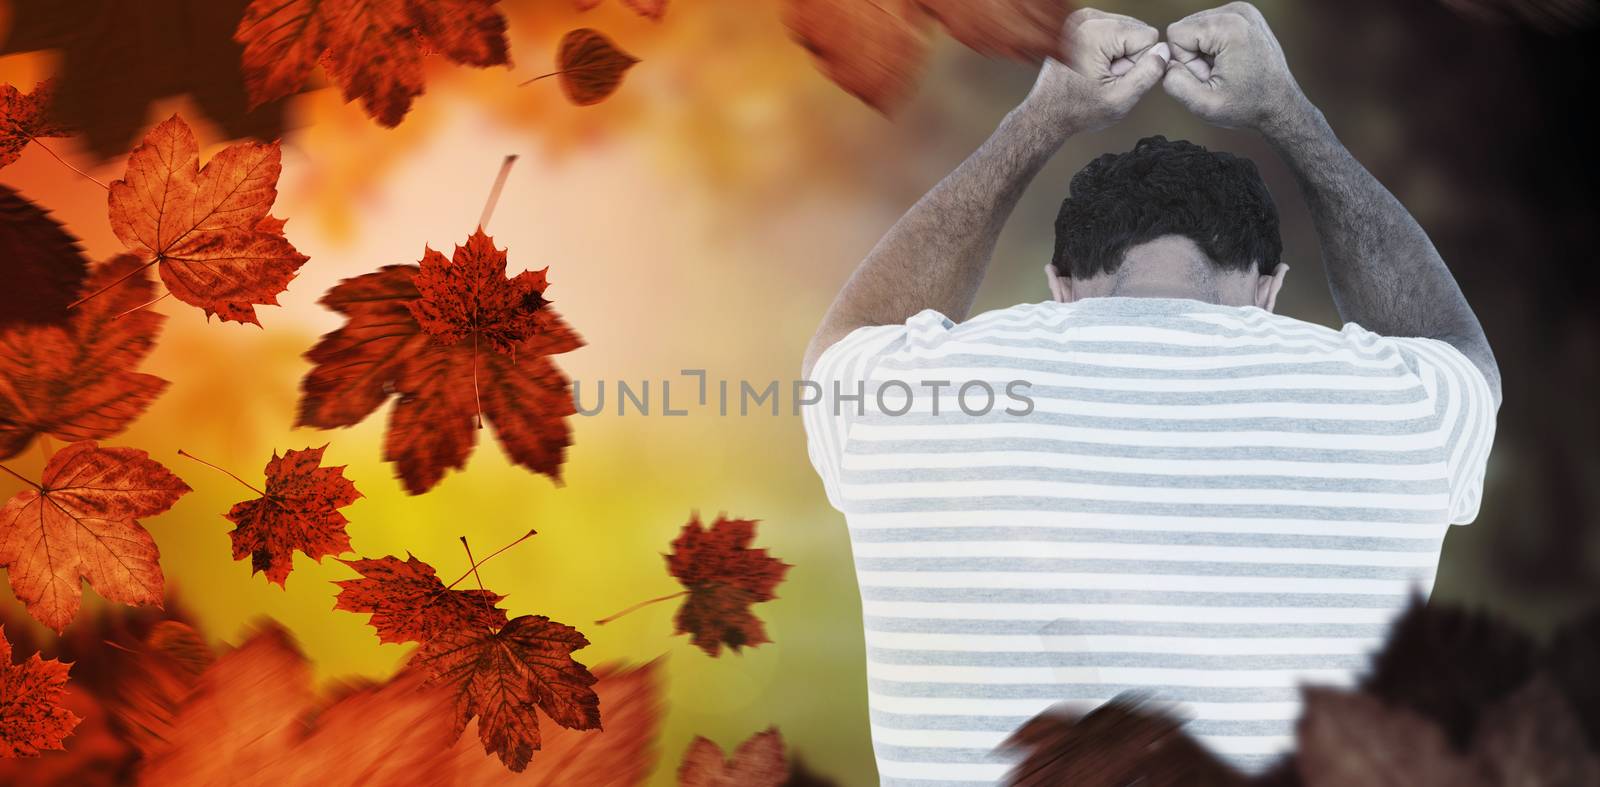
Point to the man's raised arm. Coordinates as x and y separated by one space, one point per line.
935 256
1384 272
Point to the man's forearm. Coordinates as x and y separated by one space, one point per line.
1384 272
935 256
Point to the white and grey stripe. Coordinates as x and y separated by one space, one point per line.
1210 505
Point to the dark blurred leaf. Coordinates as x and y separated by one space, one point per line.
1573 662
1122 742
1449 664
1349 739
120 56
41 264
801 775
1550 16
1532 739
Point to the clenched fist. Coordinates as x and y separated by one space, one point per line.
1107 72
1228 69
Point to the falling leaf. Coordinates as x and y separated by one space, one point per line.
758 762
32 719
26 117
1348 738
75 381
80 522
723 577
41 262
1124 741
118 58
300 511
501 676
620 755
408 603
382 351
373 50
246 723
161 675
1026 30
590 67
650 9
208 228
873 50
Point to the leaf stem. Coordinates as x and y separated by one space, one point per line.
494 191
19 477
641 605
477 401
491 556
485 597
120 279
471 571
92 179
143 305
247 485
573 70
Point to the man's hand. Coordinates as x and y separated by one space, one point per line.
1228 68
1107 73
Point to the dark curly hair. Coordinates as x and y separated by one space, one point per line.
1121 200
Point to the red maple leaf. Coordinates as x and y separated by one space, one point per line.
75 380
207 228
408 603
32 718
80 523
469 296
382 351
758 762
373 50
299 511
26 117
500 676
723 577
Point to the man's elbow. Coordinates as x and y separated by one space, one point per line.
1482 356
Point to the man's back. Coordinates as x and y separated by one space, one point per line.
1209 504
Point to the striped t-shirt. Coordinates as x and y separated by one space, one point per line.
1207 504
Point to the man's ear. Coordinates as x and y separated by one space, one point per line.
1267 287
1060 286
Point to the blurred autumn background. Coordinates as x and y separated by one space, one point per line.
702 217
